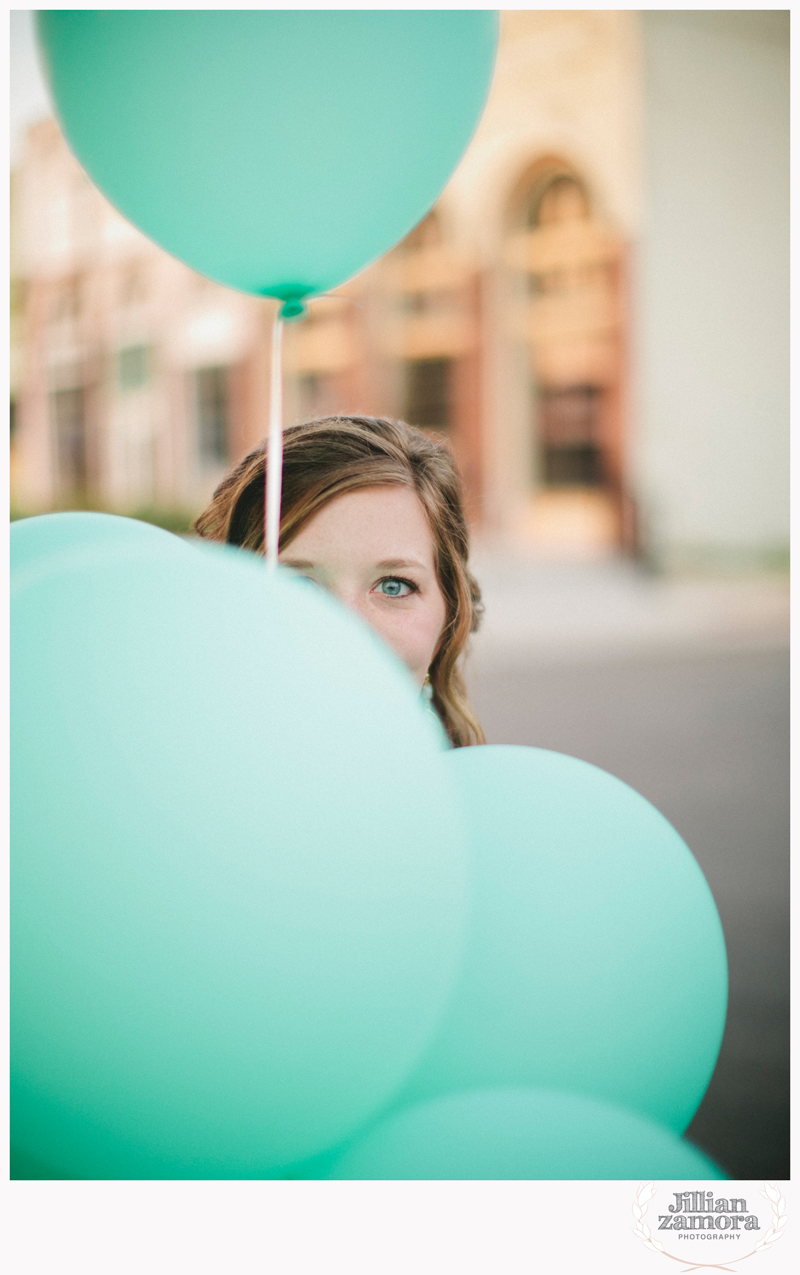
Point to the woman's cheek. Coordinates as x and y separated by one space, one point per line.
408 638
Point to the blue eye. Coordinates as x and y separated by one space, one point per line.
394 587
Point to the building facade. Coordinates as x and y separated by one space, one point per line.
519 318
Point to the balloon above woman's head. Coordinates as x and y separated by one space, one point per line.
276 151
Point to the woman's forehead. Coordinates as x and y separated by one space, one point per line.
387 522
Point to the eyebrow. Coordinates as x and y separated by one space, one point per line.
391 564
394 563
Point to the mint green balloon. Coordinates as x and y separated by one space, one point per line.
277 151
596 960
34 539
521 1133
238 876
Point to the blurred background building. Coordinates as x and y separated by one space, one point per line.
596 314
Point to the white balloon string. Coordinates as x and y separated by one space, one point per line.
272 500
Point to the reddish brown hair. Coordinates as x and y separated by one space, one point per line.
325 458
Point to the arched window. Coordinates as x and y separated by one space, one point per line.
556 196
567 263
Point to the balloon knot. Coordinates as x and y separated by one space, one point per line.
293 309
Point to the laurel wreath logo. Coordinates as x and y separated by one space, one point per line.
641 1230
643 1197
775 1232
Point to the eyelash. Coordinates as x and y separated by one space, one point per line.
400 580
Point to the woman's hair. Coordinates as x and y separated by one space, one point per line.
325 458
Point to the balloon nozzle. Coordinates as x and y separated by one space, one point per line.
293 309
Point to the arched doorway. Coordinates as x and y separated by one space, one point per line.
568 269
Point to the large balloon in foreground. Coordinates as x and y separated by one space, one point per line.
596 960
238 877
278 151
34 539
520 1133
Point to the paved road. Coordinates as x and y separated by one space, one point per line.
698 723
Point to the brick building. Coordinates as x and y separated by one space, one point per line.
526 317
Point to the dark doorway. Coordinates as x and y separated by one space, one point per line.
212 409
569 437
69 420
428 393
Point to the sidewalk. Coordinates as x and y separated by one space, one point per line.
612 609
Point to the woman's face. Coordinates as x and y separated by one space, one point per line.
373 549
